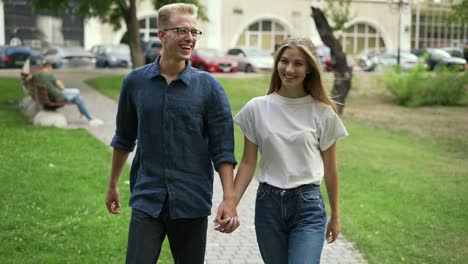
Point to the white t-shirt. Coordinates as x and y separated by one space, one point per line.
290 134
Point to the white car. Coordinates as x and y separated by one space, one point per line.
252 59
407 60
69 57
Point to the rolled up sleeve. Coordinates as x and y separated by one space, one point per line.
220 128
126 120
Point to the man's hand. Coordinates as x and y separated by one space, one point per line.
226 219
112 200
333 229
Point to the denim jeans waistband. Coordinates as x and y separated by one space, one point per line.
301 188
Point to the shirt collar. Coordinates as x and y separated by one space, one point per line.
185 76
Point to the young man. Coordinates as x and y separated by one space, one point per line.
57 91
181 120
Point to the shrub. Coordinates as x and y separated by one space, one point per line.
419 87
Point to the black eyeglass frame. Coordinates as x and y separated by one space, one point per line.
183 31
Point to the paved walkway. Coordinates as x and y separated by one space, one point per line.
238 247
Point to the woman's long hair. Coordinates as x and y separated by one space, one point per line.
313 82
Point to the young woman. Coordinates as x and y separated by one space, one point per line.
295 128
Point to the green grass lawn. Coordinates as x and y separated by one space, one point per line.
403 199
52 193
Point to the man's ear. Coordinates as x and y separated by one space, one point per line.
161 35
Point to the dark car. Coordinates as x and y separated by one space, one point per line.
152 50
437 57
13 56
212 60
112 55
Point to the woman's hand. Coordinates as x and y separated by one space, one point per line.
333 229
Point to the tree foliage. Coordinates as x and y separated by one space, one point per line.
460 10
337 12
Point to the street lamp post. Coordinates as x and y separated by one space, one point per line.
401 4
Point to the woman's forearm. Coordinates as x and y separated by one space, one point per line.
244 176
246 169
332 180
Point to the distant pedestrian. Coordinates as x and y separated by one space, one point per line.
181 121
58 93
295 128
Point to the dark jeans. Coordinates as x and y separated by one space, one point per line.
290 224
187 238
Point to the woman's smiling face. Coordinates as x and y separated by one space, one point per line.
293 69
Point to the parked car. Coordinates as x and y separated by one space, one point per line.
437 57
407 60
152 49
212 60
35 61
112 55
69 57
454 52
324 54
368 60
252 59
13 56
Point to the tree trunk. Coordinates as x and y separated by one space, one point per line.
133 31
343 73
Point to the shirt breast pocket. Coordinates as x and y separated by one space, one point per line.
186 120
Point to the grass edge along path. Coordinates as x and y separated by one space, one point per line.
402 198
52 193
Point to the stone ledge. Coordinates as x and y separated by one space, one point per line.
41 117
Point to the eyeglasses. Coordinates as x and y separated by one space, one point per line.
182 31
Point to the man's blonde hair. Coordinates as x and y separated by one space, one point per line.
167 11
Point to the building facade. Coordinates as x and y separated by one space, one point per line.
374 24
19 25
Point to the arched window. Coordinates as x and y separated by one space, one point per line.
148 28
360 37
263 34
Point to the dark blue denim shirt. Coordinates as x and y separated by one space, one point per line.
181 131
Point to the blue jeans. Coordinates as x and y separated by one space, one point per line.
73 95
290 224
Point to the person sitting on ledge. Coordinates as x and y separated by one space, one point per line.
57 92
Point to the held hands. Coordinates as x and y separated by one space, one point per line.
112 200
226 219
333 229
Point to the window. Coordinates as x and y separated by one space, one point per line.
51 52
263 34
360 37
148 28
434 30
234 52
